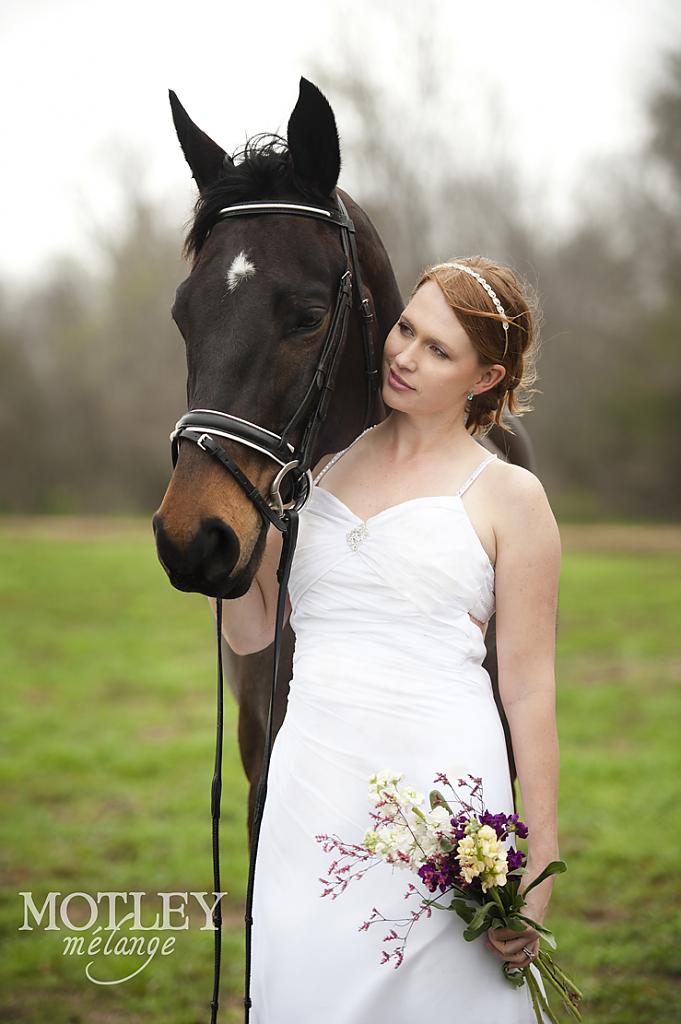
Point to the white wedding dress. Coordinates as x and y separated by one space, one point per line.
387 673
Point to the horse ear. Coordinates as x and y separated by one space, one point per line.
313 138
205 158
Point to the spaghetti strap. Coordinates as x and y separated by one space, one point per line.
337 456
478 469
334 459
328 465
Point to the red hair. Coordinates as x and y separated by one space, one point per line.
478 316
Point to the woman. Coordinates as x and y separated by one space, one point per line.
416 537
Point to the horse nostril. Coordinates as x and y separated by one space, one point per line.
204 563
219 549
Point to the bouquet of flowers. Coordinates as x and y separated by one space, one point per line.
459 854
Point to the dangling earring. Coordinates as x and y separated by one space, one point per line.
469 396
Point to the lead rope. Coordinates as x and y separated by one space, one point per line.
290 536
215 795
289 540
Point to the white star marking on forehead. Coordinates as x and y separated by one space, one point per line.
240 269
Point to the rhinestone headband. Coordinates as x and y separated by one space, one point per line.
490 291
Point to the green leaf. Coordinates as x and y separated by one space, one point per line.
463 909
437 800
461 892
438 905
546 934
481 914
474 933
516 977
556 867
550 939
479 921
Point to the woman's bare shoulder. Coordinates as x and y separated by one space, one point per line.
516 481
525 503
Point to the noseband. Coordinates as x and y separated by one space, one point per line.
289 492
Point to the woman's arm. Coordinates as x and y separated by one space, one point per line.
527 575
249 622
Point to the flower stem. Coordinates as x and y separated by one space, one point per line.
549 979
547 969
563 977
541 998
497 899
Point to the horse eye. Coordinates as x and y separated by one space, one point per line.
308 321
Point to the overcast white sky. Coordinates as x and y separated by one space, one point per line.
80 76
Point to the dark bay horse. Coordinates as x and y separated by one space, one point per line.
251 351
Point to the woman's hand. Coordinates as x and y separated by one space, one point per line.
507 944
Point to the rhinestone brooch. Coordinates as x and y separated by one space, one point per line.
355 536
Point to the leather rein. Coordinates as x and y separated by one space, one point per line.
292 485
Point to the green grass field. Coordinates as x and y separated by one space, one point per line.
108 679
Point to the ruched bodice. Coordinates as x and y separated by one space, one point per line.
417 568
387 674
419 563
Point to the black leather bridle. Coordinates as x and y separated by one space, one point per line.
295 478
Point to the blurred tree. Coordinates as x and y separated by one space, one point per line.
93 368
664 106
609 367
93 371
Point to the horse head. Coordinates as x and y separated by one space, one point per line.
255 312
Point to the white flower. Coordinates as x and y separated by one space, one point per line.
385 778
413 795
439 817
393 840
481 854
383 786
486 832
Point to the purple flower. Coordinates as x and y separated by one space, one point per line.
440 872
519 826
496 821
515 859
